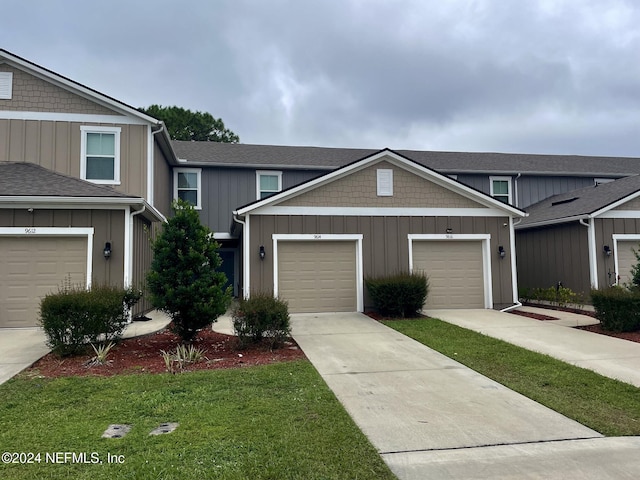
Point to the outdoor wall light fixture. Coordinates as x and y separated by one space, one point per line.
449 230
262 252
501 251
606 250
107 251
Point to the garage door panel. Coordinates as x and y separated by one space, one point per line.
32 267
626 259
317 276
455 271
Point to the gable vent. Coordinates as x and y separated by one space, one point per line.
561 202
6 84
385 182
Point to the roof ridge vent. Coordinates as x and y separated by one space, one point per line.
561 202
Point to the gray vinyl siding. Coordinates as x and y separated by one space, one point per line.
548 255
108 227
385 244
226 189
532 189
605 228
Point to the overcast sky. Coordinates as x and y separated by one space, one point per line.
548 76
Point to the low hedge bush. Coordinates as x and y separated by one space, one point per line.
74 316
617 308
399 295
560 296
262 316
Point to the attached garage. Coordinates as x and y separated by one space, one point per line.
455 269
625 258
316 274
34 266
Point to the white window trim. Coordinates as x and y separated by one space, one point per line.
485 238
84 129
55 232
621 237
384 182
6 85
198 172
270 173
323 237
509 184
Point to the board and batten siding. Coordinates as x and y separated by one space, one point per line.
162 182
108 227
385 246
142 258
55 145
557 253
604 230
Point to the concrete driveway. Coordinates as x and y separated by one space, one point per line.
19 348
431 417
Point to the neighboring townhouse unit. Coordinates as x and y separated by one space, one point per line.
83 180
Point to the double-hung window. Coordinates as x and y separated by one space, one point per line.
268 182
100 154
501 189
187 185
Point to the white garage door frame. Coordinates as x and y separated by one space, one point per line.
485 240
621 237
56 232
283 237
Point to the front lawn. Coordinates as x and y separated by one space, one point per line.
269 422
603 404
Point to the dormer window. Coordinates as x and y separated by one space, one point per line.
100 154
268 182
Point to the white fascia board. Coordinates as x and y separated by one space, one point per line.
72 117
224 236
608 208
76 88
399 161
382 211
555 221
15 200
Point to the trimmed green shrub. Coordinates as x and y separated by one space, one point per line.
262 316
185 281
399 295
74 316
560 296
617 308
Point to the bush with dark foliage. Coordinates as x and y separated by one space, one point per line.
399 295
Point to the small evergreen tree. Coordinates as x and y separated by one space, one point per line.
635 271
184 280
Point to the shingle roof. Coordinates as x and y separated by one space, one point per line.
581 202
28 179
277 156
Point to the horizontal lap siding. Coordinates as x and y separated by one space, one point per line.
385 247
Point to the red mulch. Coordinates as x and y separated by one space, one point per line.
537 316
142 355
631 336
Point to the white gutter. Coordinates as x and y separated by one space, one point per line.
245 254
593 268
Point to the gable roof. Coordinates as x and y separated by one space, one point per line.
321 158
28 179
582 203
397 159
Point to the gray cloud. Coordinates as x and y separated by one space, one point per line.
542 76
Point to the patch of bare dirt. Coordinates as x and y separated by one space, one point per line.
143 355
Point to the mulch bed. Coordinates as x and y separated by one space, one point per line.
631 336
142 355
537 316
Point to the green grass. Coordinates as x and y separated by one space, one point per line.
605 405
273 422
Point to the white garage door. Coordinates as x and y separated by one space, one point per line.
626 259
455 272
32 267
318 276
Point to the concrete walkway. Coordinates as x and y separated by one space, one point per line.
608 356
431 417
21 347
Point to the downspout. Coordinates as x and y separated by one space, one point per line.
245 254
128 276
593 270
515 190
